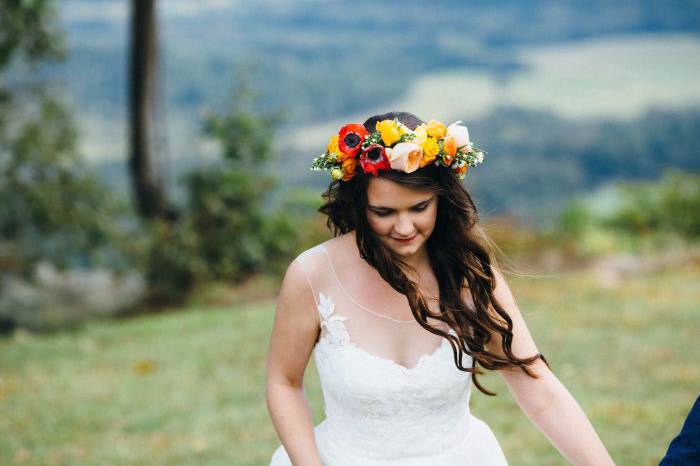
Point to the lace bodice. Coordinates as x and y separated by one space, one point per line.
380 411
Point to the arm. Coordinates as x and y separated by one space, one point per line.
545 400
294 333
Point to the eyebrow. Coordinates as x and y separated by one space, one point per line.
388 208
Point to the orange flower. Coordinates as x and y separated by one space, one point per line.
450 145
349 168
427 159
447 159
461 170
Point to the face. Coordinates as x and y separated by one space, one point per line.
403 218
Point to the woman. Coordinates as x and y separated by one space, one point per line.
400 309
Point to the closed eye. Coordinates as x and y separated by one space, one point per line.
385 212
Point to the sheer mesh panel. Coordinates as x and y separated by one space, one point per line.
378 319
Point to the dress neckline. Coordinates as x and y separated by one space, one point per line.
423 359
351 298
337 335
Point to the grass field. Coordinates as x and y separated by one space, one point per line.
188 387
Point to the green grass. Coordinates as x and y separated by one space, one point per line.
188 387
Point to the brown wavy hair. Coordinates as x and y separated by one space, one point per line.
460 254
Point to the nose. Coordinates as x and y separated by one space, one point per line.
404 226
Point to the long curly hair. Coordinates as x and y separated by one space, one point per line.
460 255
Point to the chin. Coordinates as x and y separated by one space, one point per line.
405 250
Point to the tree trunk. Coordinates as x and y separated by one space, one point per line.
148 193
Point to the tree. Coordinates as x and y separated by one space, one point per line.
148 192
52 207
28 29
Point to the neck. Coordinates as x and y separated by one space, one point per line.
419 260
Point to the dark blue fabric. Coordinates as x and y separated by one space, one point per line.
684 450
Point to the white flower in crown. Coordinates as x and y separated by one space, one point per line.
460 134
335 328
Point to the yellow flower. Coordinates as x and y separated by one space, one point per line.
333 149
426 160
436 129
336 173
389 131
333 145
403 129
430 150
145 366
430 147
421 133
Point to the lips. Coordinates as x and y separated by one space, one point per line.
405 240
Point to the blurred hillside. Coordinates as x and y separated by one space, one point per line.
566 97
323 59
560 93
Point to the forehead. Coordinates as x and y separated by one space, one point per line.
385 193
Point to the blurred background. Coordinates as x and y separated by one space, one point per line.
154 185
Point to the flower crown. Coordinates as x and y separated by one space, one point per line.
394 146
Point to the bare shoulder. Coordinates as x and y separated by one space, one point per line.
341 244
295 329
502 292
342 250
299 279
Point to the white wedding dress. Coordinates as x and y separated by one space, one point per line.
381 412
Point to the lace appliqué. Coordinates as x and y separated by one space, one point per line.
333 325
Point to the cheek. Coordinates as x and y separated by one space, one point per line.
426 223
379 225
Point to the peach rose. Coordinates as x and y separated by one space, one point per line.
406 157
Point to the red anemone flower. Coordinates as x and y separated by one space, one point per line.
350 138
374 158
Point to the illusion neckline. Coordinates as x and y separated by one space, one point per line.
354 301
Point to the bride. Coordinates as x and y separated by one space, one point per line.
402 309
